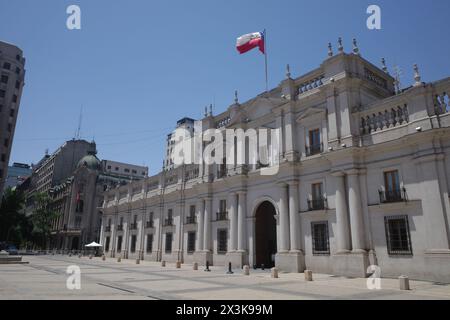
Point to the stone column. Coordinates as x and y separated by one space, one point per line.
242 214
295 231
343 233
232 210
200 224
284 219
207 225
356 214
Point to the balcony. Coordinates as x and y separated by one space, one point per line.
133 226
222 216
149 224
190 220
168 222
317 204
314 149
120 227
392 196
108 229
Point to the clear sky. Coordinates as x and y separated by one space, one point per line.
137 66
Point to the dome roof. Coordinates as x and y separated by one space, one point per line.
91 162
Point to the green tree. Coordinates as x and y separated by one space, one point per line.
43 216
12 217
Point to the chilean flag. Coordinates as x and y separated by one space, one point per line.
250 41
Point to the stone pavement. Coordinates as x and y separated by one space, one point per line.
45 278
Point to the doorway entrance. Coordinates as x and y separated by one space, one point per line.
265 235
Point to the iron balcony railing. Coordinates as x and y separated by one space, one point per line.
391 196
317 204
133 226
168 222
222 216
120 227
314 149
149 224
108 229
190 220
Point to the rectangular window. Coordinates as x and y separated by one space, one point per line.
119 244
192 211
133 244
17 70
14 98
168 247
133 171
393 191
149 243
2 93
17 84
320 239
397 235
7 65
127 170
191 242
222 241
11 113
315 146
223 206
4 79
107 244
3 157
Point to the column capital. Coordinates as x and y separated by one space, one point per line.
294 182
241 192
282 184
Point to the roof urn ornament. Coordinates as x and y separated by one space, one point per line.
355 47
236 99
340 46
330 49
383 65
417 76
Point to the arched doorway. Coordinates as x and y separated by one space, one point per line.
265 235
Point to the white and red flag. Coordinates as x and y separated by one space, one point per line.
250 41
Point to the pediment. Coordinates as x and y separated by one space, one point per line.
310 112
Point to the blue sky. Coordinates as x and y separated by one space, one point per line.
138 66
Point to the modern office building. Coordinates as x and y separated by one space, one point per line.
363 179
12 77
17 174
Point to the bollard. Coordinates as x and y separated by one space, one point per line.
255 267
404 283
207 267
103 257
263 267
119 259
230 271
90 257
70 254
178 264
308 275
163 263
246 271
79 256
195 267
274 273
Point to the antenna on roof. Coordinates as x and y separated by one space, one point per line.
78 133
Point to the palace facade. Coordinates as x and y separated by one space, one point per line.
363 179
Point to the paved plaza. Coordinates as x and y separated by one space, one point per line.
45 278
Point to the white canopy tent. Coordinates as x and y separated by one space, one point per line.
93 245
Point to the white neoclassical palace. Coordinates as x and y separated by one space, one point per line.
363 179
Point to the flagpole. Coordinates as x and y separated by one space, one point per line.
265 60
